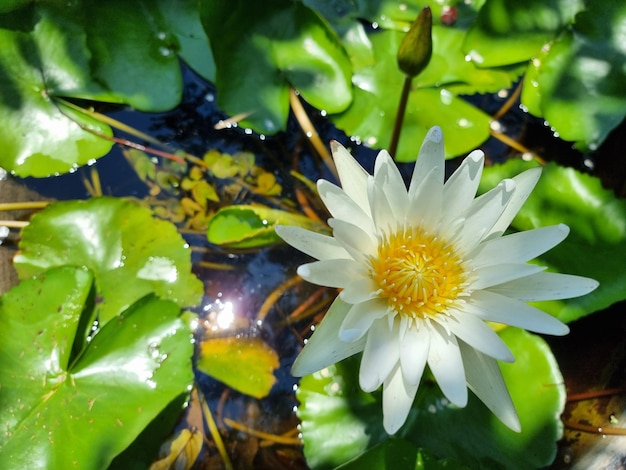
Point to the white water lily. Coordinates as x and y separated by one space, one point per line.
421 272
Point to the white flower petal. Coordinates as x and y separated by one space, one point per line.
475 332
388 178
484 212
398 397
461 187
352 175
325 348
312 243
524 184
380 355
488 276
413 353
331 272
359 290
547 286
356 242
360 318
500 309
342 207
519 247
425 203
485 380
430 157
444 360
381 210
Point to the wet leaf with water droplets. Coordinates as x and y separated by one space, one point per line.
106 392
130 253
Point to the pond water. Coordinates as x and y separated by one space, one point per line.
239 282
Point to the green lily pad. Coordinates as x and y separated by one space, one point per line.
377 90
508 31
78 409
262 49
131 253
582 75
40 136
249 226
332 404
245 364
398 454
596 245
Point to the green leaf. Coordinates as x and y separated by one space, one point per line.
398 454
41 137
377 91
582 75
509 31
182 19
131 47
131 253
64 412
332 404
288 45
449 68
248 226
596 244
245 364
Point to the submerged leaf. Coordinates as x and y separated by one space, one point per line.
251 226
245 364
131 253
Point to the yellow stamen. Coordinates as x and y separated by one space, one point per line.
418 273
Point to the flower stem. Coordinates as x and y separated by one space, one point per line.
397 126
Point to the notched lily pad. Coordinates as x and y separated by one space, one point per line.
106 392
130 253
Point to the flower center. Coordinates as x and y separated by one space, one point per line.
420 274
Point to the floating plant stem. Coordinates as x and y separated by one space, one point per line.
516 145
275 295
590 395
309 130
610 431
276 439
215 433
18 206
13 223
509 102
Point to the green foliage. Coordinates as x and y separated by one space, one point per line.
130 253
286 44
250 226
70 403
245 364
332 404
51 53
596 244
570 54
